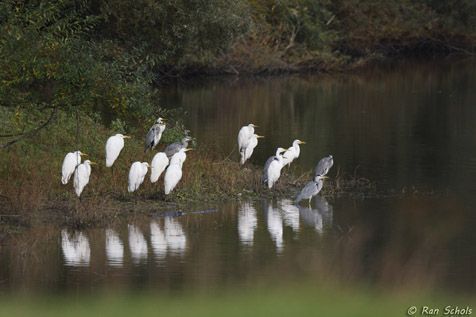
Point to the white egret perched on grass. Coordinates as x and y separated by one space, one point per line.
71 160
81 176
293 152
244 137
324 166
136 175
173 174
158 165
174 148
114 146
155 133
272 168
311 189
246 154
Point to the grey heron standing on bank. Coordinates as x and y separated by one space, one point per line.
155 133
293 152
114 146
311 189
324 166
174 148
272 168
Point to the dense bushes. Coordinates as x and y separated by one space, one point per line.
102 57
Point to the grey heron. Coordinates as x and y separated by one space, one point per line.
155 133
324 166
311 189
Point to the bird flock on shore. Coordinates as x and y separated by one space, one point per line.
174 155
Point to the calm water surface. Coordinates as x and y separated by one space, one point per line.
402 126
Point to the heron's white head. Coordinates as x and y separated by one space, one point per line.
330 156
251 125
123 136
297 141
80 153
160 120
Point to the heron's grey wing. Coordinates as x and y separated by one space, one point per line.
173 148
323 166
149 138
265 169
308 191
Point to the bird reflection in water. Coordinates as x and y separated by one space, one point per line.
171 239
274 223
290 214
137 244
318 217
114 248
76 248
247 223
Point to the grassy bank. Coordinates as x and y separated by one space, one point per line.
31 190
303 300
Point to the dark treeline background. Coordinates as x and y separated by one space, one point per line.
105 56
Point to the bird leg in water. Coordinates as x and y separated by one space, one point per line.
309 202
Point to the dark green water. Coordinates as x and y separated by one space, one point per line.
405 126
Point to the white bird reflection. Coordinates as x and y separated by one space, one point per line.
158 241
291 214
137 244
174 236
247 223
319 216
274 222
171 239
76 248
114 248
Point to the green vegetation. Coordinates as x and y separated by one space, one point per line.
291 301
74 72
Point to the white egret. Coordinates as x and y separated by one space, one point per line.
71 160
173 174
272 168
114 146
158 241
158 165
173 148
311 189
244 136
155 134
293 152
136 175
81 176
246 154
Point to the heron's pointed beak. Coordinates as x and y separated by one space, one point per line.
260 136
255 126
302 142
93 163
324 177
126 136
189 149
82 154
